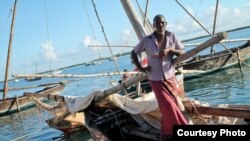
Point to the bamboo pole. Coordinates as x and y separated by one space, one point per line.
72 75
185 44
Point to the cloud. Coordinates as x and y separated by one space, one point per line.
87 41
49 51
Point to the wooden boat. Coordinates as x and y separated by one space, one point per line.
32 78
109 116
19 103
205 64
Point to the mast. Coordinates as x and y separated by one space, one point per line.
215 21
133 17
9 52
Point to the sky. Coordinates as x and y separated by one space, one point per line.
57 33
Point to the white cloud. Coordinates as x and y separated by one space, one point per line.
49 51
90 41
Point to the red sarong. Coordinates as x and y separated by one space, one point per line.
171 114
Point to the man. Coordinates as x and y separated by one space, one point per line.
160 48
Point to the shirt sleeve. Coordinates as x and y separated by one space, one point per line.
139 47
178 43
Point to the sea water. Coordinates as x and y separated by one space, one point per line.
230 86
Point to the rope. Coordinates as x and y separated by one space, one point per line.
144 16
91 27
47 28
3 25
117 123
194 16
106 39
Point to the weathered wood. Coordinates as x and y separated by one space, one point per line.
7 106
57 98
122 86
34 86
9 52
223 41
215 111
201 47
17 104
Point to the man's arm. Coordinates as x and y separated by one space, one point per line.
137 63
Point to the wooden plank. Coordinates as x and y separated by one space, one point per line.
227 112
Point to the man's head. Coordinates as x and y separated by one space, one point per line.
159 24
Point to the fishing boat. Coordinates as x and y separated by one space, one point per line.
33 78
110 116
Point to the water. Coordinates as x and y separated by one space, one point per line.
228 86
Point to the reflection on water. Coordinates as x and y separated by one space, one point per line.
227 86
23 125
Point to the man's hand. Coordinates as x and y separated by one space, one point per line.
145 69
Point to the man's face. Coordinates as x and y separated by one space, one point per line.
160 25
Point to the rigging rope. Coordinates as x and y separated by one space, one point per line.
92 29
47 28
106 39
194 16
2 27
149 27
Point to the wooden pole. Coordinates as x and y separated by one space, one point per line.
9 52
71 75
33 86
17 104
201 47
185 44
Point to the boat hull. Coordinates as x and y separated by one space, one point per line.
19 103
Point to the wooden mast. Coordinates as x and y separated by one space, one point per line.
214 26
133 17
9 52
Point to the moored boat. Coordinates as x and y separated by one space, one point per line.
19 103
